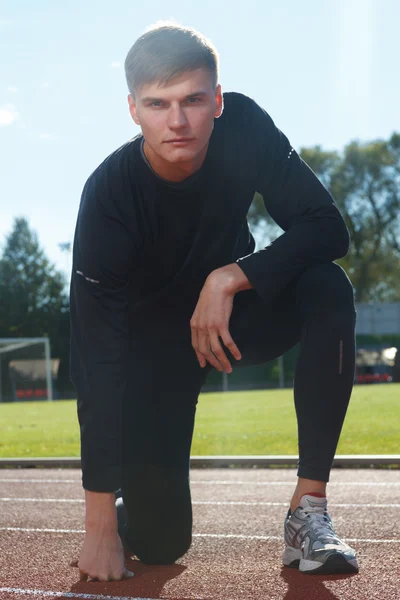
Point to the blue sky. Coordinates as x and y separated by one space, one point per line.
325 70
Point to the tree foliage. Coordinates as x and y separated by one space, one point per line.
365 182
33 298
31 289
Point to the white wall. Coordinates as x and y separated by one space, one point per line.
378 318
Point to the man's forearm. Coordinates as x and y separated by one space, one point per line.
232 278
98 368
100 511
320 238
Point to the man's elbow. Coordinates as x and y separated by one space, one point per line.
342 239
337 235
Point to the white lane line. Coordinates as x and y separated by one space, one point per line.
62 500
41 480
331 504
50 594
238 536
208 503
37 530
331 483
223 482
277 538
273 538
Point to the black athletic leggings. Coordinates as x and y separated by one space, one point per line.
318 310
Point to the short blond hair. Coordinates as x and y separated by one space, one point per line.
167 50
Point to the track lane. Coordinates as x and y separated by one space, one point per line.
246 520
222 569
215 567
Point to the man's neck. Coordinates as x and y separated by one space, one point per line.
170 171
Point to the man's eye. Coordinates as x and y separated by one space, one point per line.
193 100
156 103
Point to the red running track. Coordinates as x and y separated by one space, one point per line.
237 545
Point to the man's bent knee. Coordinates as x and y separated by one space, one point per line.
161 552
159 512
325 288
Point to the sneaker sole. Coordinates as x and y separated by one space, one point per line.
335 564
291 557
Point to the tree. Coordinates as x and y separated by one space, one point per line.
33 300
365 182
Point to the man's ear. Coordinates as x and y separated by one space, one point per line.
220 101
132 109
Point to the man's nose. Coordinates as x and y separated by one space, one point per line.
176 117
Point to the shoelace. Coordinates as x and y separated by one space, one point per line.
320 522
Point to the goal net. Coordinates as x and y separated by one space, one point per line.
26 369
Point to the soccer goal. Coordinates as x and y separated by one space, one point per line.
36 368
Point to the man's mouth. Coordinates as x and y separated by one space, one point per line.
179 140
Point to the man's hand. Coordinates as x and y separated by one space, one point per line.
210 320
102 555
102 558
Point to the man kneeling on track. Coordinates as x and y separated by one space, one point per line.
166 286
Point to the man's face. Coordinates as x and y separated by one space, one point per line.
177 119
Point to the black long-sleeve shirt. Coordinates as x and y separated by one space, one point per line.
144 247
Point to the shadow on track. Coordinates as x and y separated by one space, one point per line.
148 582
309 587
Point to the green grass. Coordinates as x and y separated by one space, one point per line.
39 429
264 422
260 422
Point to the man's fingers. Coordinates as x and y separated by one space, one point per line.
193 330
205 350
208 347
201 359
127 574
209 356
230 344
195 343
216 349
82 575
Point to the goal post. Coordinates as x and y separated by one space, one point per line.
8 345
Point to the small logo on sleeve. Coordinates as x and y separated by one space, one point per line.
87 278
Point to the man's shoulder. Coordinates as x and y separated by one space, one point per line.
109 185
234 99
243 113
116 165
239 104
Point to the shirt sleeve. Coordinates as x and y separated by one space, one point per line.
102 267
314 230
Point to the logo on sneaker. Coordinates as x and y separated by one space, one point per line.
315 504
305 546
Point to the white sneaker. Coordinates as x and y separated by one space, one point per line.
311 543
